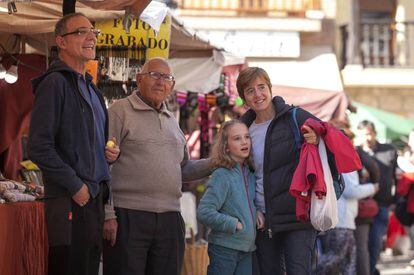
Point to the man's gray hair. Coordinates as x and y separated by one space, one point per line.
144 68
60 27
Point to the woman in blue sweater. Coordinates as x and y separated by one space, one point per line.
227 206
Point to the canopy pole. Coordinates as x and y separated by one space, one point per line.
68 6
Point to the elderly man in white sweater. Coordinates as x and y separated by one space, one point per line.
339 248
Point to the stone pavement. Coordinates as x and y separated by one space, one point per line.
396 265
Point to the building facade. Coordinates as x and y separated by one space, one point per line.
375 46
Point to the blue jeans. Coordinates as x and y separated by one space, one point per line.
376 234
227 261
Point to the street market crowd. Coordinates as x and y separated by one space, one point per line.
287 193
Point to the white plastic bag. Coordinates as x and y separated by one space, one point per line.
324 212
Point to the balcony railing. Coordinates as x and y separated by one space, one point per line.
381 44
253 6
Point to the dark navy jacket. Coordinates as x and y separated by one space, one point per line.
386 157
281 158
62 131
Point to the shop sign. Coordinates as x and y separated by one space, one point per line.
141 35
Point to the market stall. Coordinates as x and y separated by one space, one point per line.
27 37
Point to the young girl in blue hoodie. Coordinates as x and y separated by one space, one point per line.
227 206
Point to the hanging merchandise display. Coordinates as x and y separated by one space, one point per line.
121 55
231 73
118 68
133 52
218 97
211 99
202 103
190 105
113 90
181 97
238 101
204 137
172 104
189 112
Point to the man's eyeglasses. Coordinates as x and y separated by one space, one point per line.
157 76
83 32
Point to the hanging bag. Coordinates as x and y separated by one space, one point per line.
403 216
195 257
367 208
324 211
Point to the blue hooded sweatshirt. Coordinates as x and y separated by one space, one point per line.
229 198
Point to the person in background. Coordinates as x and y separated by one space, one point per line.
285 244
406 161
406 164
368 174
143 229
339 247
386 157
68 133
227 206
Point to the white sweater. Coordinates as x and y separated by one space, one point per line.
348 202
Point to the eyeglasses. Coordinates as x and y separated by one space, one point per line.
83 32
157 76
251 90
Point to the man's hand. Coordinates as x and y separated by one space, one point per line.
82 196
260 220
109 231
310 136
111 150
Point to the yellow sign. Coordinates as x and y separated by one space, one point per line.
141 35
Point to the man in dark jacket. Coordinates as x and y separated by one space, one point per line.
68 133
386 158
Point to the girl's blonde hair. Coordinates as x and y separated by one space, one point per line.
220 154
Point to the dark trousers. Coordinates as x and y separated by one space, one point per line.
146 243
75 235
376 234
285 253
361 239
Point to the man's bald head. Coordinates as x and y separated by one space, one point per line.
155 60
